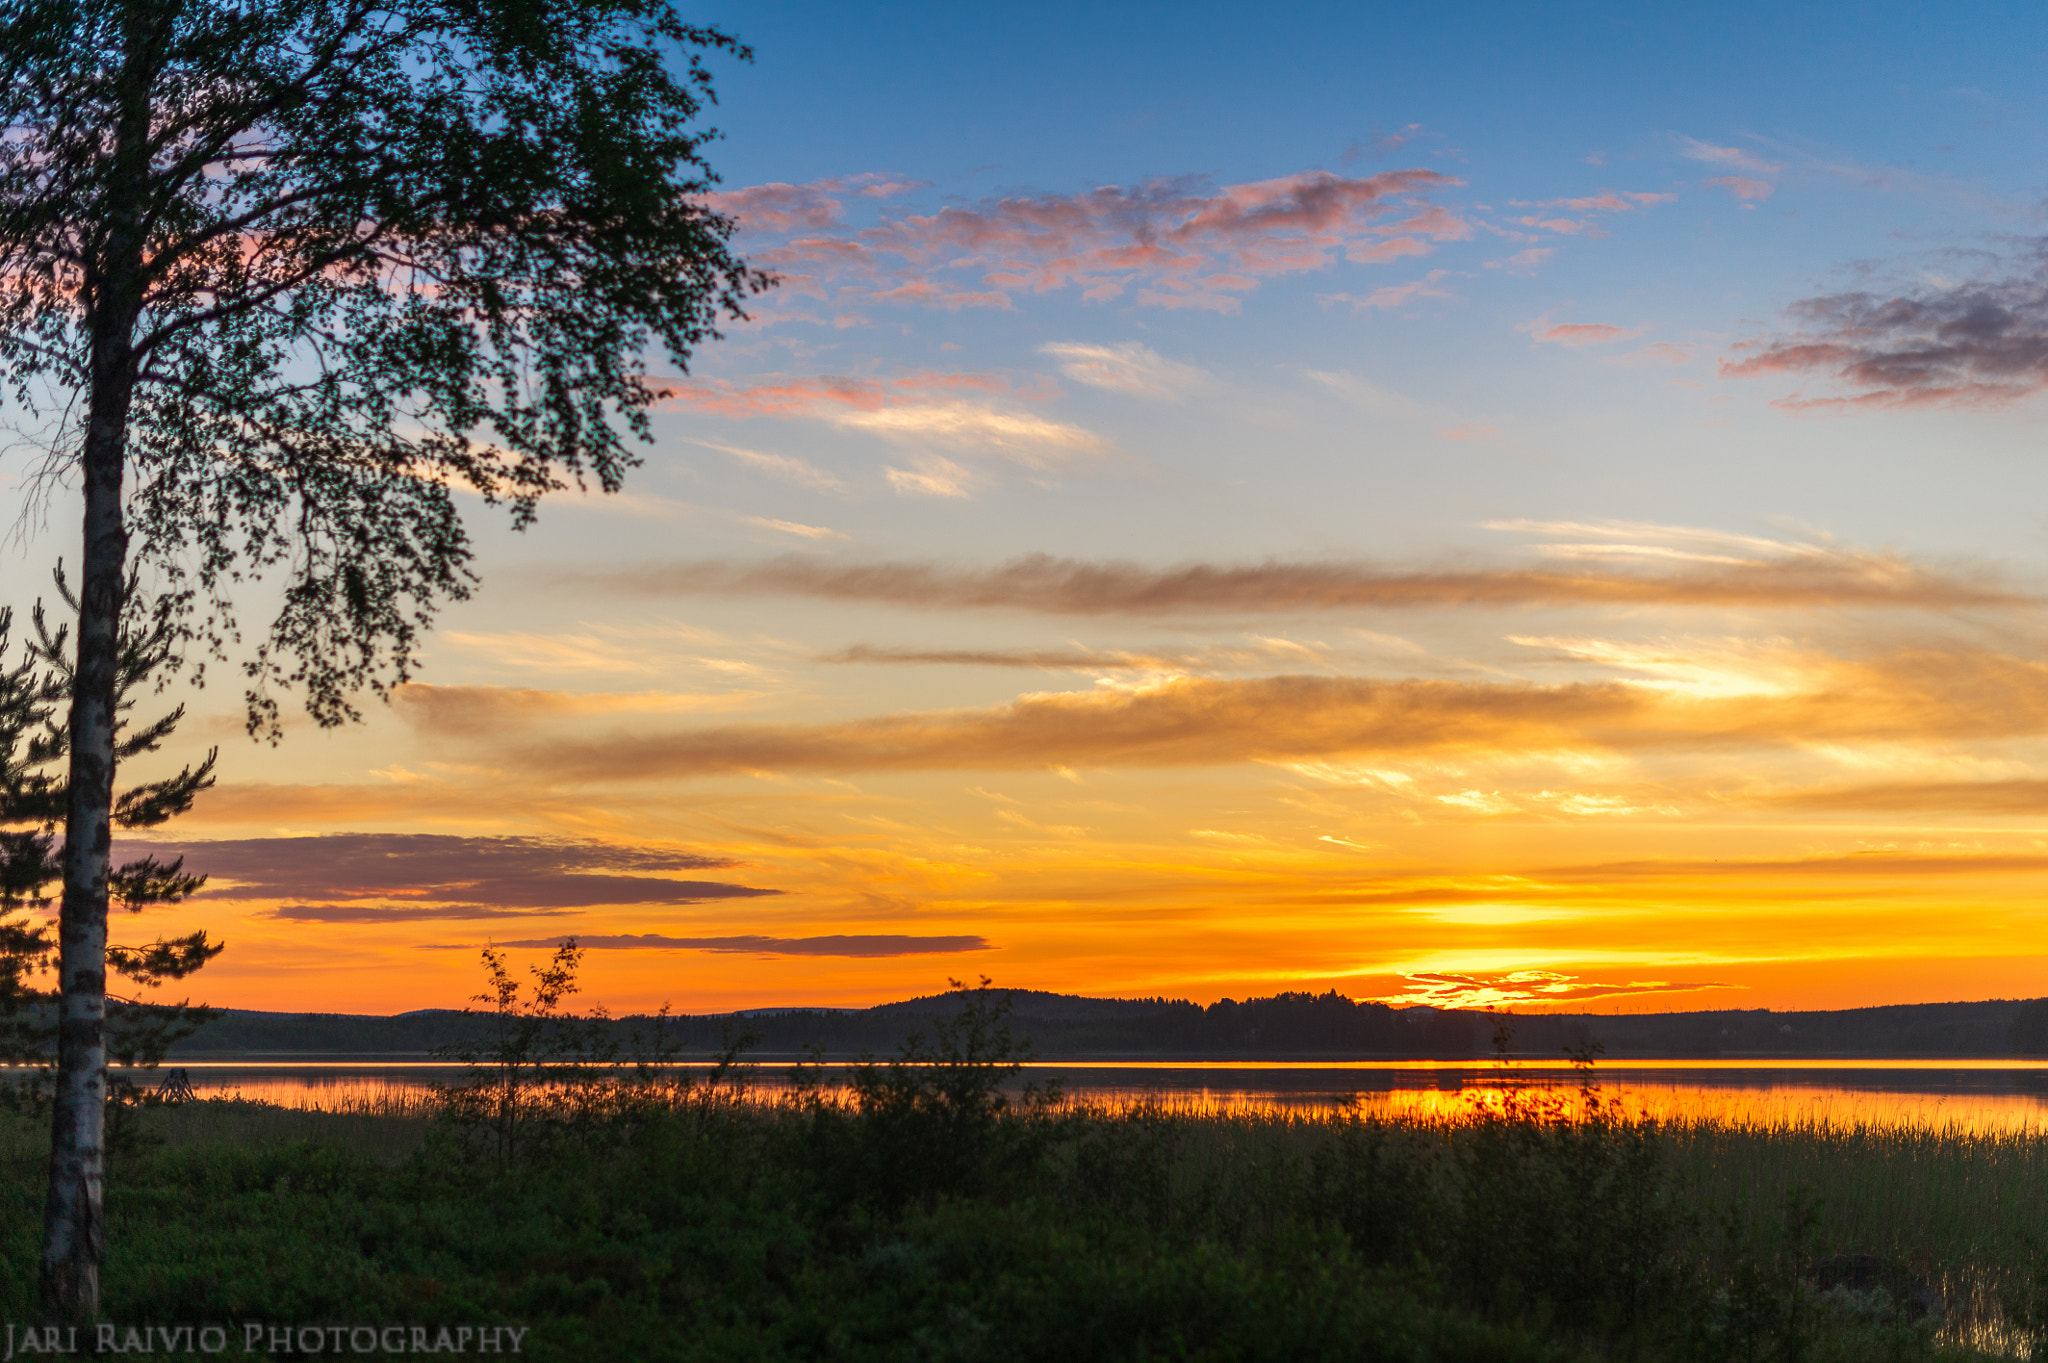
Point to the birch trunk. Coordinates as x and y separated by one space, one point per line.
74 1220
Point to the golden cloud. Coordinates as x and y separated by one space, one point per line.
1059 586
1195 721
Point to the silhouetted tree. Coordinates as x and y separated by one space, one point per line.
290 273
32 801
2030 1028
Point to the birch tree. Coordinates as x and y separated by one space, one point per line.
289 273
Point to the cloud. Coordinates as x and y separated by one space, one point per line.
1508 989
866 945
1581 333
1734 157
1391 296
932 478
1982 343
1128 368
826 396
1201 721
1180 721
971 412
1766 575
781 208
798 528
1606 201
1168 243
1750 191
404 913
2018 796
1470 431
488 707
1028 438
1876 863
1049 659
423 875
787 468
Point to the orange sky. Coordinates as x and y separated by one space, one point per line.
1829 801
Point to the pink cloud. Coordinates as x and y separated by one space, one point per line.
1726 156
1606 201
1176 243
1524 260
780 207
1751 192
1392 296
1565 227
825 394
1583 333
1469 431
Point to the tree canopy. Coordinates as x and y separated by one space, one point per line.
346 258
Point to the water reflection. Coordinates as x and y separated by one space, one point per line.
1983 1096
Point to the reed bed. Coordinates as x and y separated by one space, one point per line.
1492 1193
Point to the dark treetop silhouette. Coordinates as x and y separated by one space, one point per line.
287 273
32 803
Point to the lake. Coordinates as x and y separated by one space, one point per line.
1976 1095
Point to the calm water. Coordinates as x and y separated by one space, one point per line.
1978 1095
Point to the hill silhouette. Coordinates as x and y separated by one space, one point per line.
1285 1026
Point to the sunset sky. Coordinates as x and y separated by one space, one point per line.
1465 504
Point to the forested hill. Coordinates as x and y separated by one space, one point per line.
1301 1025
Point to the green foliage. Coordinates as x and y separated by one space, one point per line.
934 1120
543 1073
647 1218
315 266
33 796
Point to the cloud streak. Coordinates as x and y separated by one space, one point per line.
1811 577
976 413
365 877
861 945
1176 243
1132 368
1201 721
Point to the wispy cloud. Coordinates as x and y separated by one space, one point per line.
1132 367
1606 201
815 207
865 945
1766 574
1748 190
1392 295
783 467
960 412
1913 695
1734 157
1165 243
1521 989
1581 333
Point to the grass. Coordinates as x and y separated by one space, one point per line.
811 1227
616 1209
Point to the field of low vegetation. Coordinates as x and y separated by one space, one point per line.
930 1209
